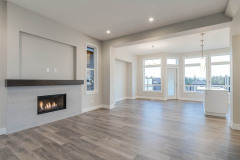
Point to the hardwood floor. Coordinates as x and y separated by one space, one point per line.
134 130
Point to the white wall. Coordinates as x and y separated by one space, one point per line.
182 95
20 19
3 62
131 61
235 37
42 58
236 80
121 80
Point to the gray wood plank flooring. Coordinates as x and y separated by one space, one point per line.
134 130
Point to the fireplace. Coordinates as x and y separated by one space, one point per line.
50 103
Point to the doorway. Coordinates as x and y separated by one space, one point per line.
171 83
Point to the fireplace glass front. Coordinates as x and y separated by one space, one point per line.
50 103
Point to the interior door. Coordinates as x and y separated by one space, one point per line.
171 83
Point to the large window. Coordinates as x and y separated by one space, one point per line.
194 77
91 69
152 75
220 72
172 61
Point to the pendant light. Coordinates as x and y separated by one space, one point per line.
203 59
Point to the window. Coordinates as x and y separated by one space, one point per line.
152 75
222 58
172 61
220 72
192 61
194 77
91 69
152 62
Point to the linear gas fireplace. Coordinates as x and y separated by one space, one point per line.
50 103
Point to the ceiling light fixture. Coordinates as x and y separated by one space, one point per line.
108 31
203 60
152 46
151 19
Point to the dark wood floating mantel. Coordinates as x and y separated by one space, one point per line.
31 82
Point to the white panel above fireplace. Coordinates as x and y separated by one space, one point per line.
42 58
22 106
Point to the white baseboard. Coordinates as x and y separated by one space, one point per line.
131 97
87 109
120 99
112 106
190 99
2 131
108 106
235 126
215 114
152 98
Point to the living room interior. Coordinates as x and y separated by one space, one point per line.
125 80
172 54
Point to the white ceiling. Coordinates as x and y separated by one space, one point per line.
122 17
212 40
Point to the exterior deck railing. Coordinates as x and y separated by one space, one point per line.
193 88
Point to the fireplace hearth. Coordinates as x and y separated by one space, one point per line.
51 103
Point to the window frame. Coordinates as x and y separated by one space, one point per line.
216 55
149 66
218 63
172 64
194 65
95 91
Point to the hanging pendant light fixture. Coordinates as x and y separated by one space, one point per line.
203 59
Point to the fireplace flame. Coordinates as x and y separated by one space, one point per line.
41 105
47 106
54 104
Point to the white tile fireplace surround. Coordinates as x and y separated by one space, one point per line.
22 105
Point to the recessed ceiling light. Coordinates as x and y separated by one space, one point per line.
108 31
151 19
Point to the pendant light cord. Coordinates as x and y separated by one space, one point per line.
202 44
